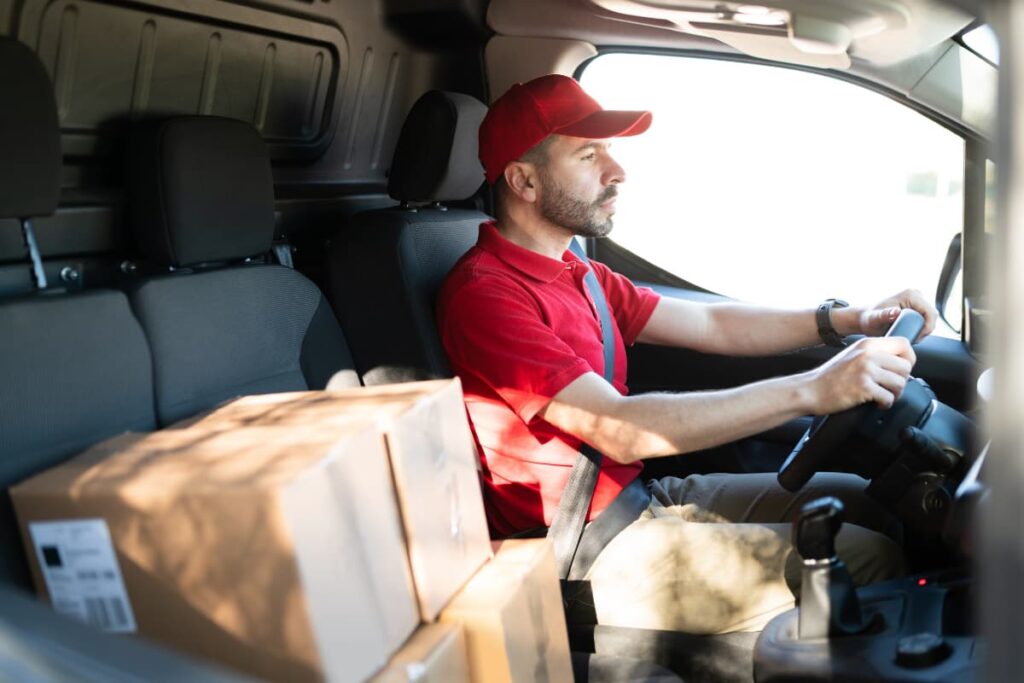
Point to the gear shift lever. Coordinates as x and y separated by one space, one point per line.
828 600
817 527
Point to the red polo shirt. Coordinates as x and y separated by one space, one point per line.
519 327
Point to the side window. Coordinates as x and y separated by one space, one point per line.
779 186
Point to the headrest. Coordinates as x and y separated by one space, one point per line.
201 190
30 156
436 157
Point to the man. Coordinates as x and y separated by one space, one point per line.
711 553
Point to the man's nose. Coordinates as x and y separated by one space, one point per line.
614 173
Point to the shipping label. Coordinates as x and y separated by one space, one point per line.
81 572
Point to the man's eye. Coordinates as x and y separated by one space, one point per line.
588 157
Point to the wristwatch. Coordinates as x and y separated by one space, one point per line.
823 318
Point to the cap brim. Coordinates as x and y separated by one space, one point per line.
609 124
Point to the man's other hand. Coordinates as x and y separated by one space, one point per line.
876 320
868 370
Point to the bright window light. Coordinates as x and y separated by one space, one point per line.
983 41
778 186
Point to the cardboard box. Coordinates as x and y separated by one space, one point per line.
278 552
433 458
436 653
512 613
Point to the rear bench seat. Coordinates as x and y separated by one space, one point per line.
76 368
79 368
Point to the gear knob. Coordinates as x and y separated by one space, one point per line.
829 607
814 534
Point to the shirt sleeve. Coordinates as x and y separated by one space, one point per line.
494 329
632 306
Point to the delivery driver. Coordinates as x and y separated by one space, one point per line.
711 553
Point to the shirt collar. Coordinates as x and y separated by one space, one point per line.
537 266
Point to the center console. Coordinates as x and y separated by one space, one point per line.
914 629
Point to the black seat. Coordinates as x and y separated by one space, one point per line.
76 368
385 269
202 199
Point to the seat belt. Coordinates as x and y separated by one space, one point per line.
567 525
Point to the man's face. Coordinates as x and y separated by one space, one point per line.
579 183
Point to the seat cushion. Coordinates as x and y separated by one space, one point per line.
224 333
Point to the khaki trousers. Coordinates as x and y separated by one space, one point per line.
712 553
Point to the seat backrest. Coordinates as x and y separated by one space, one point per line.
202 198
74 369
385 269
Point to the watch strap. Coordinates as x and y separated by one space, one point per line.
823 319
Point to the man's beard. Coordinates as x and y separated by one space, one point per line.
572 213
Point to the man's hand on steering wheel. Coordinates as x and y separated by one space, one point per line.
868 370
871 369
875 320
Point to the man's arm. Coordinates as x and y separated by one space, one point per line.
628 428
737 329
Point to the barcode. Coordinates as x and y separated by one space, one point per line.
106 613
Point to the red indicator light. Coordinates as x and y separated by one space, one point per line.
922 582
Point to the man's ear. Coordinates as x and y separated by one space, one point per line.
521 179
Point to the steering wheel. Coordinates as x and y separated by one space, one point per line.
827 432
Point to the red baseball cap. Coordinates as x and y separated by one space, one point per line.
553 104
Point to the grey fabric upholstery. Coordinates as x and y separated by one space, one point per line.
201 190
402 255
73 369
436 156
30 159
245 330
76 369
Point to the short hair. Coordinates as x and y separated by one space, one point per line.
536 155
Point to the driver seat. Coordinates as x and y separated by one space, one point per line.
402 254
